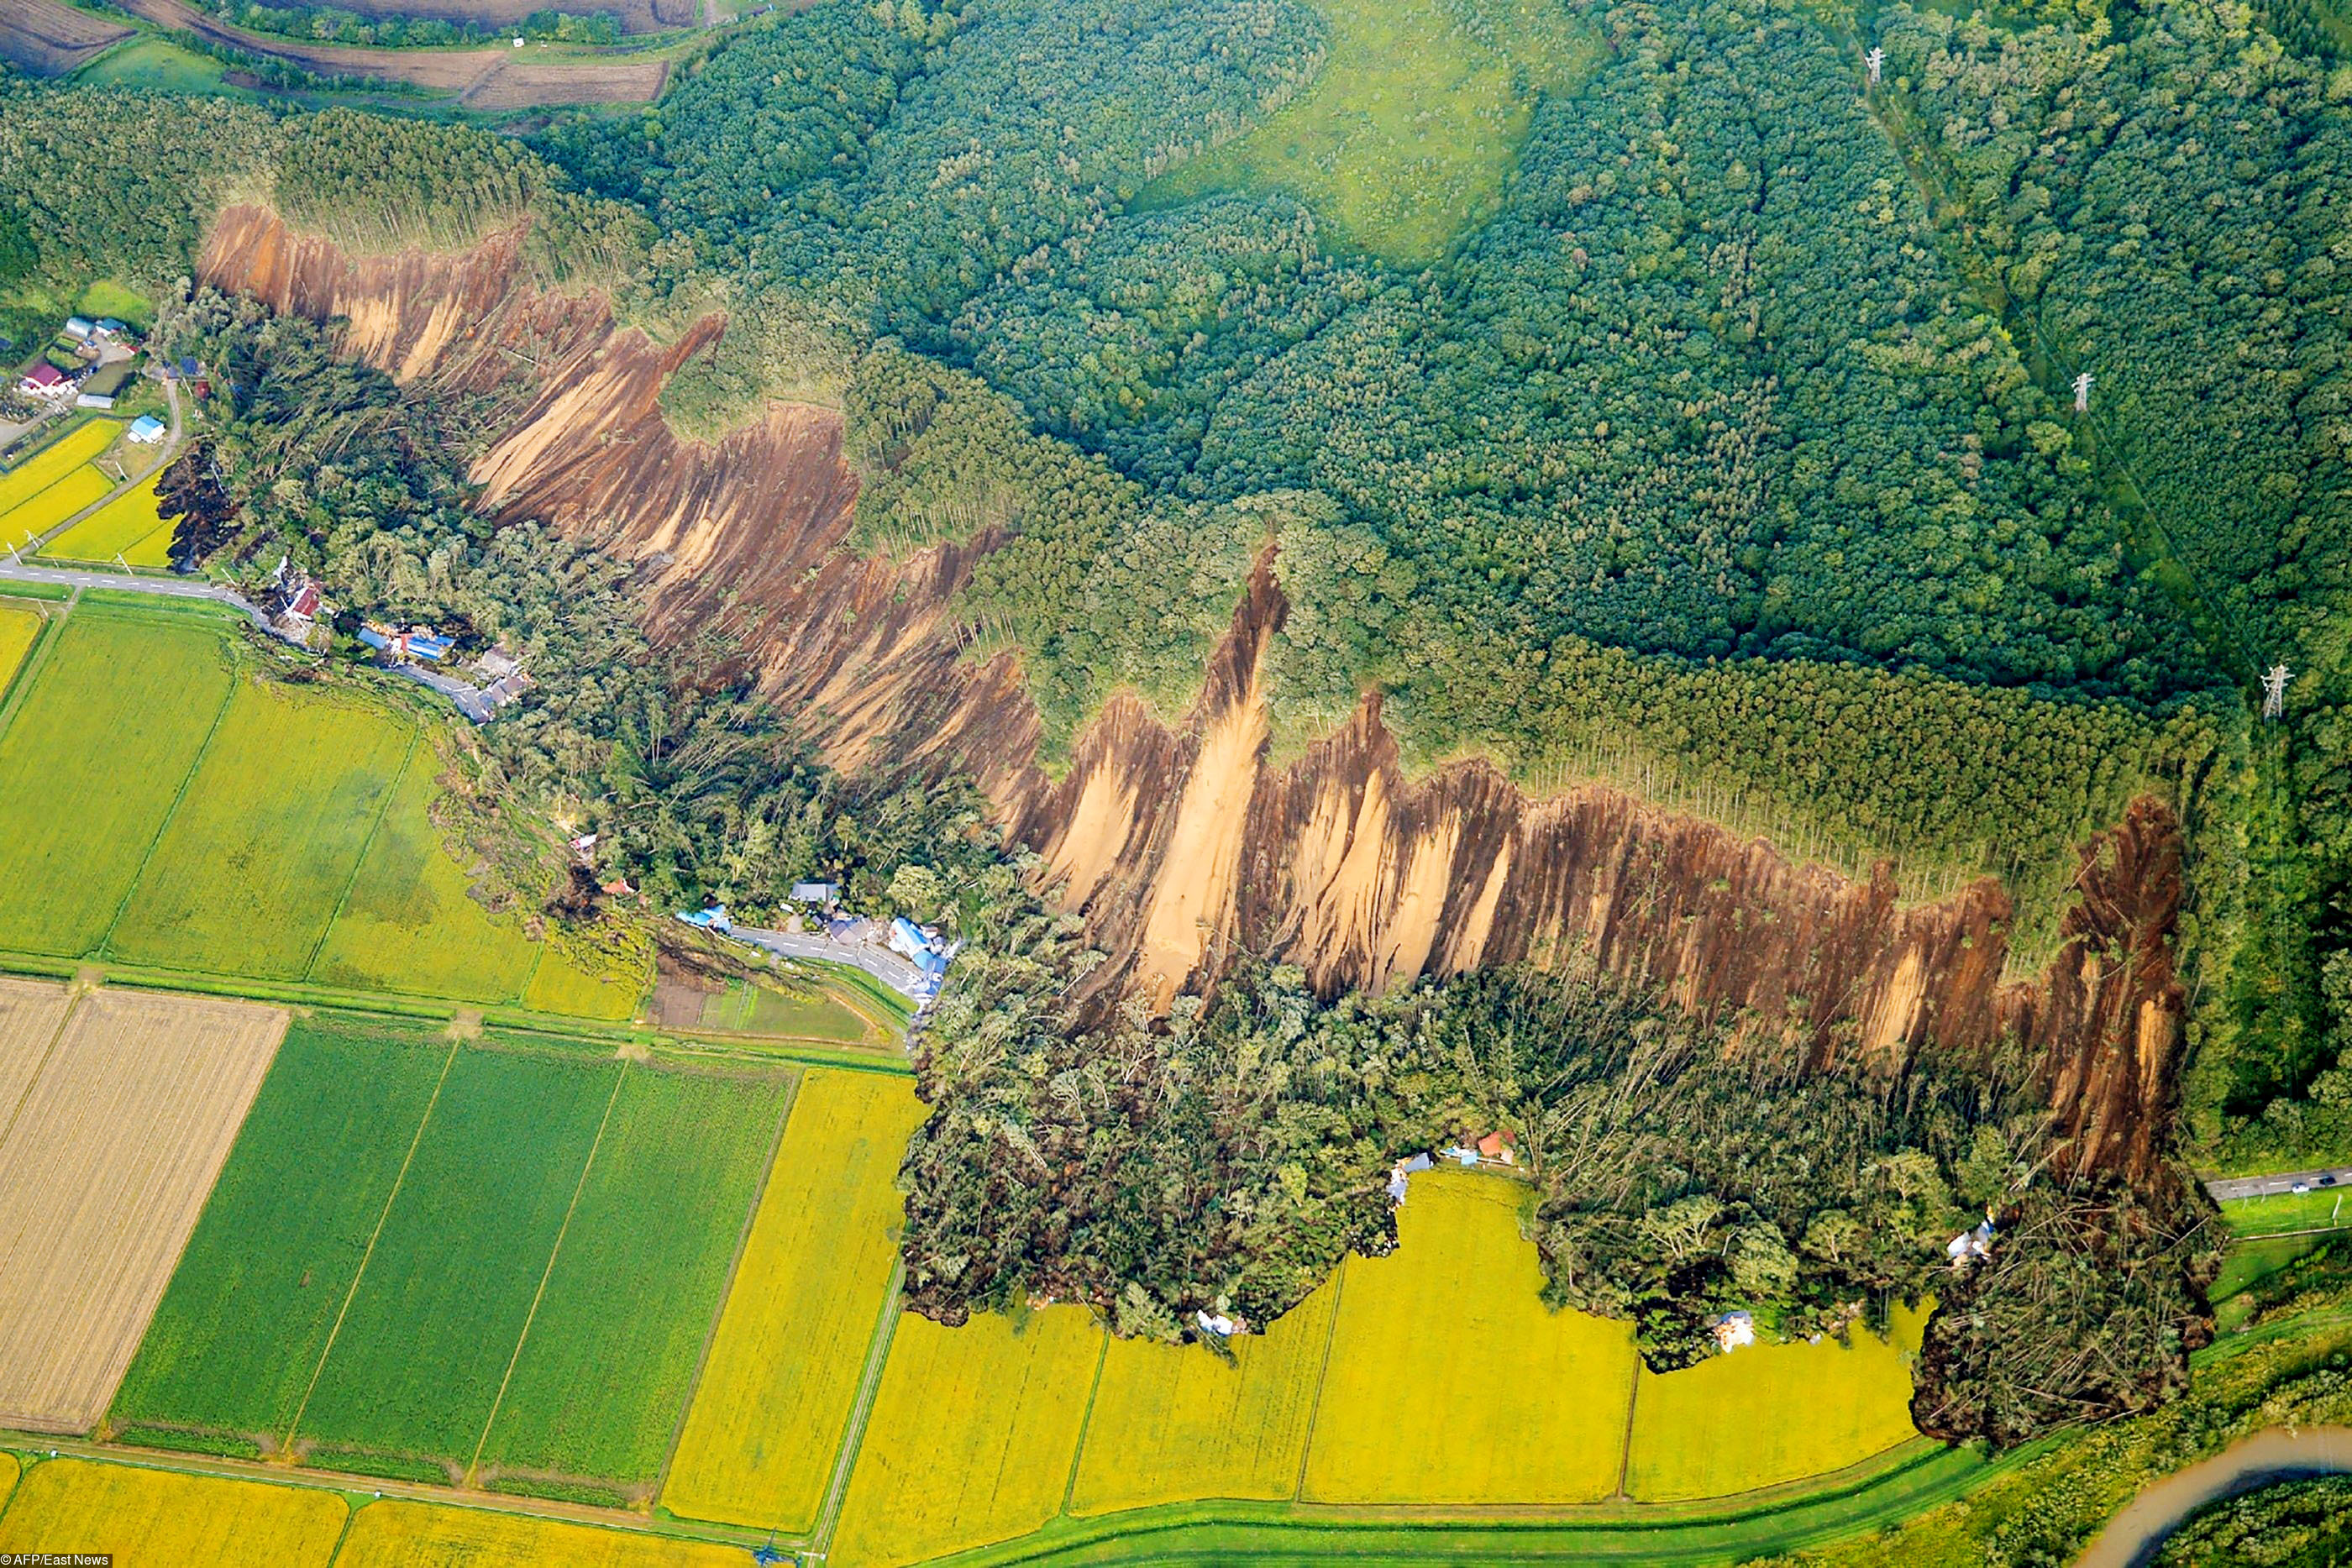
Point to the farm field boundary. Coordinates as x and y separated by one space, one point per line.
109 1160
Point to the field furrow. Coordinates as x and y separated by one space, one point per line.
102 1175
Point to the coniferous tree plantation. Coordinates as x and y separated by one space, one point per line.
1640 394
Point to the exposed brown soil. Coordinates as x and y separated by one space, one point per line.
500 80
1180 845
49 39
111 1154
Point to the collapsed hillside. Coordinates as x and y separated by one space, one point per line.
1182 846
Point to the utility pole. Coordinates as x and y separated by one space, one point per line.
1876 60
2274 691
2083 392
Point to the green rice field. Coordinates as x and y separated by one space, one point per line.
90 765
636 1284
20 628
247 1315
407 924
416 1365
253 865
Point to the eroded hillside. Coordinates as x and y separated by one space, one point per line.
1185 844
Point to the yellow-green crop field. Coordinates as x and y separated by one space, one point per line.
1172 1424
129 525
34 517
90 765
1450 1381
579 980
144 1516
53 463
972 1434
398 1534
776 1391
1771 1413
10 1470
252 864
408 924
20 628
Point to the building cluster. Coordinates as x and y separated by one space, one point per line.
87 365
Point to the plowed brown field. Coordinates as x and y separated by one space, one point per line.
49 39
30 1013
109 1160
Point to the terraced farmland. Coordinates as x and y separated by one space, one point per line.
240 1330
146 1516
972 1436
636 1284
416 1364
1173 1423
105 1165
252 864
774 1399
1430 1337
91 763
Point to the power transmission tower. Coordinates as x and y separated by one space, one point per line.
1876 59
2274 691
2083 392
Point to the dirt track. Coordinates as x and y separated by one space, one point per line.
501 80
113 1150
49 39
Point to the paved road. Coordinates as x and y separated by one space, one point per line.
890 968
2223 1189
12 569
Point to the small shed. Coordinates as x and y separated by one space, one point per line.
80 328
93 400
815 892
147 429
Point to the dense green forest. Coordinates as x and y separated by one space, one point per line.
1702 423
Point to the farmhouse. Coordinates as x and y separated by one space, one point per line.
44 379
146 429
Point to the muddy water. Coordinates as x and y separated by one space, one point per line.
2134 1536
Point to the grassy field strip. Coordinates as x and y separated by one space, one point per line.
390 1194
398 1534
144 1516
861 1410
769 1414
359 860
233 1348
634 1288
26 668
474 1461
21 625
440 1305
92 760
114 1150
2282 1213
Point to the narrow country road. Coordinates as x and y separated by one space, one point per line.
12 569
2224 1188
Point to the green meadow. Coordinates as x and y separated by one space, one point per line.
417 1366
1409 132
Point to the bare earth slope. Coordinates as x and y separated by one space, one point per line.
1173 840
